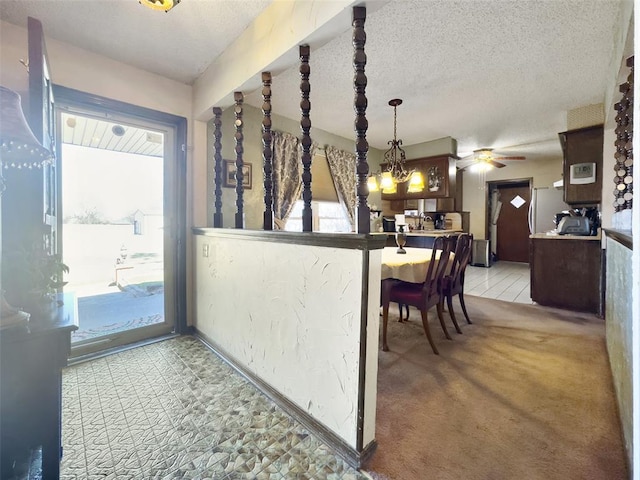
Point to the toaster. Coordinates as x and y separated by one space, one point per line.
574 226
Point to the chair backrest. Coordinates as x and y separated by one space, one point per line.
440 257
461 259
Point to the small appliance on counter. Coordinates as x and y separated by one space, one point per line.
578 221
439 221
388 224
574 226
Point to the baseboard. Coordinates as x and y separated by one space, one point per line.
350 455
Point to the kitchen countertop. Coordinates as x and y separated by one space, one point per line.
552 236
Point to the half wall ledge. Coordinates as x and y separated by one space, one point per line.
298 314
354 241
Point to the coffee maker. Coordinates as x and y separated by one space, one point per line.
438 221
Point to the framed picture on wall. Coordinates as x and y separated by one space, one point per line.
229 174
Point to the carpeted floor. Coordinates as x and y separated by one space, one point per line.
525 393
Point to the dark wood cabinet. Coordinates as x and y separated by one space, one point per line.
582 148
439 175
566 273
31 362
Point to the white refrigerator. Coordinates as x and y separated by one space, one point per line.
545 203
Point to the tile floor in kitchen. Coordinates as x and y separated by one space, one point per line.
507 281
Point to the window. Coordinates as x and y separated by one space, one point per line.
327 217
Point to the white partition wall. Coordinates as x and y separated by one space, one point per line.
301 318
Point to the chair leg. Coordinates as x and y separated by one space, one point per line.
406 307
400 318
451 314
439 309
464 308
425 325
385 319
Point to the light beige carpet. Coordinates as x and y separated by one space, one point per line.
525 393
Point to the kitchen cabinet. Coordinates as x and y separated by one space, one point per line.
422 239
566 272
582 150
439 175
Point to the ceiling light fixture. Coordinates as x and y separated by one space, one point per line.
395 171
163 5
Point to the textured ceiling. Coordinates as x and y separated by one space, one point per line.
489 73
179 44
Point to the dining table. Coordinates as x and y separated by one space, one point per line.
411 266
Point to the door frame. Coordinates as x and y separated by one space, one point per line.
178 207
494 184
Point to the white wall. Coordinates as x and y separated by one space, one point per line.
291 315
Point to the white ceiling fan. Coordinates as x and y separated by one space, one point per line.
484 157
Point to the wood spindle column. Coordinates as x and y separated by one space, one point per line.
217 165
305 126
267 152
239 138
360 124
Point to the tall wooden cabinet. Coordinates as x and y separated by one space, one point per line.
582 149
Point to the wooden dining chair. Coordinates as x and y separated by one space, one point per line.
453 280
424 295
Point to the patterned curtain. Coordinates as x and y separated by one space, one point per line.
287 176
343 171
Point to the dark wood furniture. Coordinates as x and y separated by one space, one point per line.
442 167
424 295
583 145
566 273
31 362
453 281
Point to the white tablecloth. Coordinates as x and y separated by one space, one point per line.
409 267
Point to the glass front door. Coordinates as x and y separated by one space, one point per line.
116 227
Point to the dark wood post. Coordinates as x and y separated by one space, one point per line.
267 152
360 124
305 126
239 138
217 165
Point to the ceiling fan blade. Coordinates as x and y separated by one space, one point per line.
509 158
495 164
465 162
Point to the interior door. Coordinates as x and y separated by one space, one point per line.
512 223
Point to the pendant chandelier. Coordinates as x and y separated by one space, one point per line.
395 160
162 5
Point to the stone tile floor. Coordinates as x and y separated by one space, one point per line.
173 409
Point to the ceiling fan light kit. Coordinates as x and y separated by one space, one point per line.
161 5
483 159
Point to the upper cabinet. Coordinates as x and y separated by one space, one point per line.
439 175
582 166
